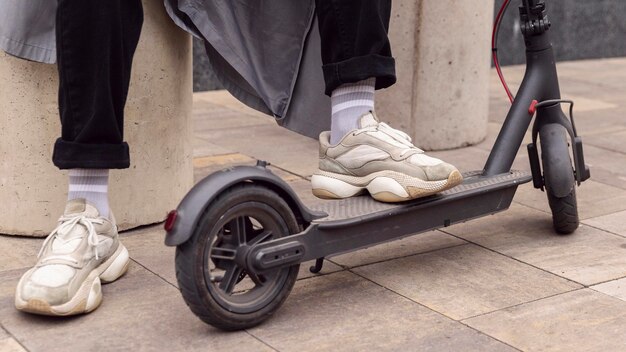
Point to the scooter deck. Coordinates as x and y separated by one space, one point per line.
360 222
359 208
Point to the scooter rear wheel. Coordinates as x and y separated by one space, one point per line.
211 269
557 169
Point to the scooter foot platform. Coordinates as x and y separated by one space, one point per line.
359 222
356 208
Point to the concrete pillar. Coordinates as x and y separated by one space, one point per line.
158 128
442 51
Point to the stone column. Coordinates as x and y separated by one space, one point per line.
442 51
157 127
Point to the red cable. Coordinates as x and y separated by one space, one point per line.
494 50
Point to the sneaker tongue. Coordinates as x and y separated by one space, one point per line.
368 120
80 207
69 239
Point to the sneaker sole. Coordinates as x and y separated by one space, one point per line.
89 295
384 186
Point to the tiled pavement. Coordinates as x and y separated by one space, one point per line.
500 283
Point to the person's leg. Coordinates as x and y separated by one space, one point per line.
96 41
356 57
359 152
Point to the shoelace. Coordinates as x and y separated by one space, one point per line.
397 135
67 223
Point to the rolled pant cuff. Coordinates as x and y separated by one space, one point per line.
359 68
72 155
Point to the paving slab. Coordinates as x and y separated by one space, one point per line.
583 320
209 117
606 73
146 248
343 312
588 256
202 147
599 122
9 344
140 312
225 99
285 149
606 166
614 223
465 159
610 141
465 281
424 242
18 252
615 288
594 199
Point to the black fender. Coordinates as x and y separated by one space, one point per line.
558 172
551 126
204 192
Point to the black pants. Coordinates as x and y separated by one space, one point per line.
354 41
96 41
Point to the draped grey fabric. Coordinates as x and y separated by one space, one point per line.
266 53
27 29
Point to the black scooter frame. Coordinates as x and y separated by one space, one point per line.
482 193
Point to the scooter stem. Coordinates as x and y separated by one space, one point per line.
540 83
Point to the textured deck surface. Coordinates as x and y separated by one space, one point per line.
358 206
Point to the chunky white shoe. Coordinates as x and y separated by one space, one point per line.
382 160
80 254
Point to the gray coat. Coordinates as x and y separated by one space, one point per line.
266 53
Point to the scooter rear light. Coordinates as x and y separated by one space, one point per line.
171 220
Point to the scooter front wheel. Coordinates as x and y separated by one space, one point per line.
558 177
211 269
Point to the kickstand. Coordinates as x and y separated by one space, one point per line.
319 262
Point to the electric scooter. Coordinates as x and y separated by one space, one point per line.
241 233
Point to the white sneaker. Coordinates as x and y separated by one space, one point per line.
382 160
83 251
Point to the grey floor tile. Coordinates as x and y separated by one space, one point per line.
146 247
342 312
3 334
208 116
464 281
18 252
465 159
599 122
8 343
140 312
615 288
611 141
582 320
594 199
606 166
285 149
614 223
202 147
420 243
587 256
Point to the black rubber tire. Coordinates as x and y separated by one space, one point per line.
564 208
190 260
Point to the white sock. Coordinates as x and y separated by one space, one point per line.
349 102
92 185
